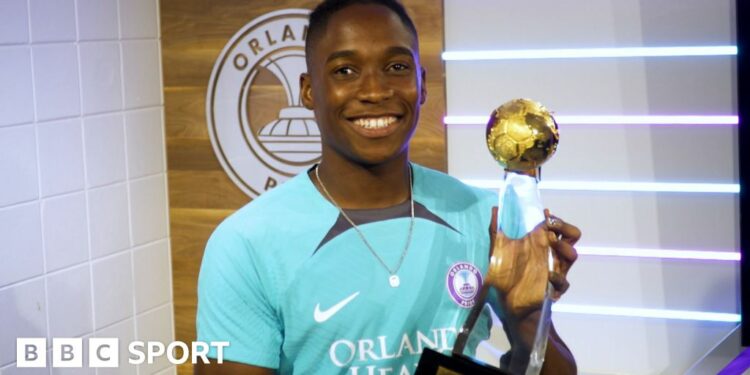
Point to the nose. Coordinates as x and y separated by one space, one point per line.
374 88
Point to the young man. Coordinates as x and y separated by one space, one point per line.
352 267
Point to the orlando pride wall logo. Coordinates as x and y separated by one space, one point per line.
260 132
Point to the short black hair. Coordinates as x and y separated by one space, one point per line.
323 12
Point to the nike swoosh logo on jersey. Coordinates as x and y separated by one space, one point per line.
322 316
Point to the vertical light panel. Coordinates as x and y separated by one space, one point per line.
743 72
647 166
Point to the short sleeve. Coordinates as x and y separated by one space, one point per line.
233 302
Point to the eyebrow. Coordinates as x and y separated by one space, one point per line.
396 50
339 55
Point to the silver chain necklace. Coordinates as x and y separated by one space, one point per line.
393 279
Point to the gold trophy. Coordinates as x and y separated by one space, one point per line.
521 136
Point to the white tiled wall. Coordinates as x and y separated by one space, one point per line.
84 248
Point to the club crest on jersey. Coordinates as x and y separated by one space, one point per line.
463 282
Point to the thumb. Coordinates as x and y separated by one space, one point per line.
493 221
496 233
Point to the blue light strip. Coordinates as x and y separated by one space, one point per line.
574 53
613 120
654 187
732 256
646 313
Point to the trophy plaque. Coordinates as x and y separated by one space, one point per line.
521 135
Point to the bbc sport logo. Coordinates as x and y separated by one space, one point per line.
105 352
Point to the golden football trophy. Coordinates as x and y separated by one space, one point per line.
521 136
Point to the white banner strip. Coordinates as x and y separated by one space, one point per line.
655 187
613 120
660 253
577 53
646 313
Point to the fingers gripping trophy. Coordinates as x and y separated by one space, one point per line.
521 136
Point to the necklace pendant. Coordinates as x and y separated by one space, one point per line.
394 280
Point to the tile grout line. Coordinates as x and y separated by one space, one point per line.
28 25
78 40
85 174
84 190
83 116
127 178
157 307
43 276
165 170
20 203
79 264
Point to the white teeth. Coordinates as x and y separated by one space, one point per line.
375 122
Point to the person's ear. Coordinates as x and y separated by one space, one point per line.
305 84
423 89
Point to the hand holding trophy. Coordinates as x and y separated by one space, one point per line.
521 136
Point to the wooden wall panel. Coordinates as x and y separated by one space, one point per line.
200 193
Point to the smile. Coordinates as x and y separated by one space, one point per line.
375 122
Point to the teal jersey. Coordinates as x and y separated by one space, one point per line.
292 286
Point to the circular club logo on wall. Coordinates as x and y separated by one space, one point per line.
260 132
463 282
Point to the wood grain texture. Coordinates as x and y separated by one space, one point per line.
200 192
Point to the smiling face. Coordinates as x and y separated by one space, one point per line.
365 85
